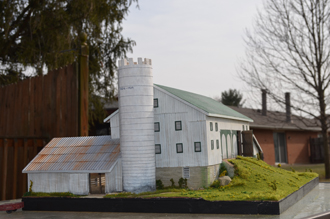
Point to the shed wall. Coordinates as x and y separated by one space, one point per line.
76 183
113 179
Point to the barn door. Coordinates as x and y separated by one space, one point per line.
247 143
97 183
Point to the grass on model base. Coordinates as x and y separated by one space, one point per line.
51 194
254 180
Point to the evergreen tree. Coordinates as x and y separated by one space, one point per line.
43 34
232 98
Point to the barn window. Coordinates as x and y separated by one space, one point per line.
211 126
198 147
157 127
158 148
185 172
212 144
179 148
178 125
216 126
156 103
218 144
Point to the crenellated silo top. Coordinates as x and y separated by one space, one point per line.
124 63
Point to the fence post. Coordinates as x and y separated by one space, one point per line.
83 87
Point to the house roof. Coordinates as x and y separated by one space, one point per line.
277 120
76 154
208 105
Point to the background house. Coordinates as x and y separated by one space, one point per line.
283 137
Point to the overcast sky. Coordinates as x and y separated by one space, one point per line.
194 45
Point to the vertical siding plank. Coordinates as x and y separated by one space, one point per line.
1 165
25 162
47 103
74 97
15 167
31 107
37 113
68 110
2 109
64 123
58 103
4 169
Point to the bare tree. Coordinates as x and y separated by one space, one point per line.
289 50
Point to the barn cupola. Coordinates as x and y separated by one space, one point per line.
136 116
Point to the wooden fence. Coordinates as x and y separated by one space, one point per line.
16 153
41 106
32 112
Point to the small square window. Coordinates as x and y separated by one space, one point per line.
216 126
211 126
198 147
212 144
157 127
158 148
218 144
156 103
178 125
179 148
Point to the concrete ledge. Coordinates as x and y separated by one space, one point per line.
166 205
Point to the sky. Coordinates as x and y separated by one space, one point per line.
194 45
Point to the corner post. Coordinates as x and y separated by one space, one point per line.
83 87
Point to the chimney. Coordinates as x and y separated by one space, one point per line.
264 102
288 107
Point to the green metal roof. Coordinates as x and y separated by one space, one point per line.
207 104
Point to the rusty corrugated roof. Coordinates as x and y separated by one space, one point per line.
77 154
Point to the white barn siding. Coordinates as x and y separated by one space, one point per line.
215 156
113 179
79 183
114 126
59 182
193 130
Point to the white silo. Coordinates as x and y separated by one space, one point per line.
136 116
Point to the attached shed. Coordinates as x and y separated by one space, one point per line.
80 165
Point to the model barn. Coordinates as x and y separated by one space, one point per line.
193 133
158 133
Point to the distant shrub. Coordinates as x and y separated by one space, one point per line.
279 165
159 184
222 169
183 183
172 183
273 185
30 188
224 173
215 184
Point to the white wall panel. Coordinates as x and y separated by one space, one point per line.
59 182
193 130
215 156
